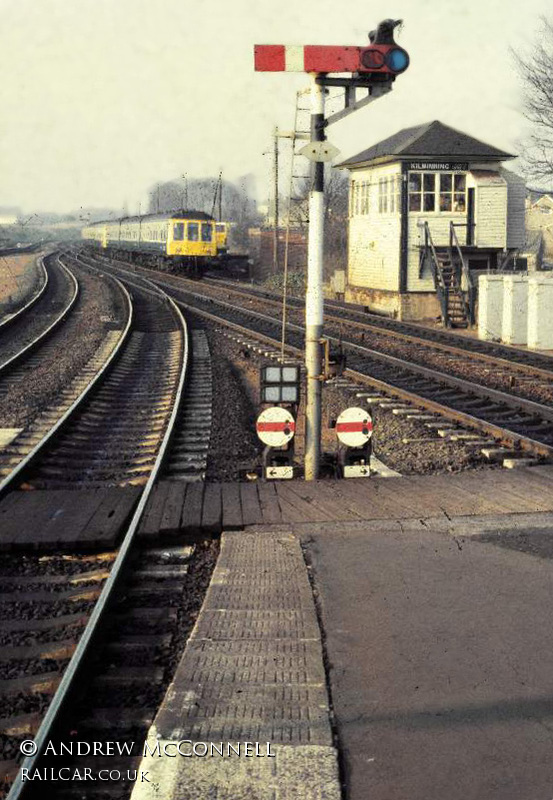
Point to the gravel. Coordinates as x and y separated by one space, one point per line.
236 450
25 638
540 390
25 564
32 610
10 670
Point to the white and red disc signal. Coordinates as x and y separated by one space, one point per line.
275 426
354 427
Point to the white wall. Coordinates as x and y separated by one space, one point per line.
491 210
374 238
516 202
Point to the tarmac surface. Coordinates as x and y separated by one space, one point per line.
440 654
396 658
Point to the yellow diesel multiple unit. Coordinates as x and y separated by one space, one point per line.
179 238
221 236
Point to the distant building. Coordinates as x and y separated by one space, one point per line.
539 218
414 197
9 215
544 204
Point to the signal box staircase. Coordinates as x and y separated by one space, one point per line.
452 280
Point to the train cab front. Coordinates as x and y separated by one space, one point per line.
191 243
192 238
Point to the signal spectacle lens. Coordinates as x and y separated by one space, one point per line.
397 59
372 59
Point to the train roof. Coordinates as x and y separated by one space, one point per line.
179 213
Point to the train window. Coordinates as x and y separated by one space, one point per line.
178 231
220 228
193 232
207 232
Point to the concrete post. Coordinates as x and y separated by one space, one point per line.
314 295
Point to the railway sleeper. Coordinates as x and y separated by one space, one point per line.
20 725
138 589
498 453
128 676
515 463
145 618
122 719
69 449
197 446
131 646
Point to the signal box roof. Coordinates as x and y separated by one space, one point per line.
432 140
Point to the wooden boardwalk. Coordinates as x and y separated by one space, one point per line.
59 518
205 509
94 519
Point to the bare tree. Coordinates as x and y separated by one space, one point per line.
336 216
199 194
537 74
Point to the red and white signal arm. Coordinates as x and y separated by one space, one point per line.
384 58
354 427
275 426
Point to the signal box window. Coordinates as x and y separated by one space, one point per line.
193 232
389 194
207 232
422 191
449 187
178 231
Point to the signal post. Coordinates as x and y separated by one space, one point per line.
374 69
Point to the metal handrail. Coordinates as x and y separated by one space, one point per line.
439 283
465 271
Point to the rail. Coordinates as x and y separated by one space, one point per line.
30 457
15 317
468 388
28 349
70 677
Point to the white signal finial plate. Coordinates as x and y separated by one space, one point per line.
319 151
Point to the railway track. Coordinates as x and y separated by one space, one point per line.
515 422
397 328
508 369
120 436
42 282
33 439
22 334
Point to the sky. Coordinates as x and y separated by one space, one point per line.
102 98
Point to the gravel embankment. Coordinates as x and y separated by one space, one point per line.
20 279
236 450
470 369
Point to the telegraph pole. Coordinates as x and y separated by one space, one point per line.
276 220
184 194
314 294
